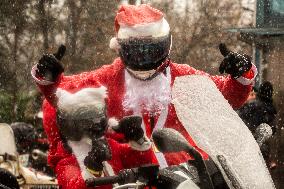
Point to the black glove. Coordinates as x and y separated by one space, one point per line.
100 152
49 67
234 63
130 126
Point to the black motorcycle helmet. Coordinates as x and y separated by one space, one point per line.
144 53
143 40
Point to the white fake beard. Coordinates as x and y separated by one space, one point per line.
151 95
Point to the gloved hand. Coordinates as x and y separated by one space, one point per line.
49 67
130 126
234 63
100 152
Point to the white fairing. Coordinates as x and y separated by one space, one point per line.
218 130
7 140
8 145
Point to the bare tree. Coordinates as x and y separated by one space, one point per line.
43 22
89 29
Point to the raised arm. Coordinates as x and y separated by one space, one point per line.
48 74
235 86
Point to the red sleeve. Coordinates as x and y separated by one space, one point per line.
69 175
125 157
235 92
56 149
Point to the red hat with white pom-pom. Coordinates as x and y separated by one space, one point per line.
139 21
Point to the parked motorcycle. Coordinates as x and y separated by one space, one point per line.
14 164
32 146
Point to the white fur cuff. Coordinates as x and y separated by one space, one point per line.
144 146
112 122
246 81
37 80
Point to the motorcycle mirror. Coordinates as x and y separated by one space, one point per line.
169 140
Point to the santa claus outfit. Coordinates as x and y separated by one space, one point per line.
82 125
134 90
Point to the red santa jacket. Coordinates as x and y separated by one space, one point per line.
112 77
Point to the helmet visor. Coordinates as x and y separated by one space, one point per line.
147 53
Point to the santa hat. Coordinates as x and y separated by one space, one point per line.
87 103
139 21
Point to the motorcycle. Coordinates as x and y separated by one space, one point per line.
32 147
195 174
12 162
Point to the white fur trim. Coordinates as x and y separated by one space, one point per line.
112 122
37 80
154 29
246 81
87 97
113 43
141 147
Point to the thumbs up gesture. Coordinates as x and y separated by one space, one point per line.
234 63
131 127
49 66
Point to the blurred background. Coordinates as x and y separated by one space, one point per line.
29 28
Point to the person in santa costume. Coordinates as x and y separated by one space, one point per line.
82 124
138 82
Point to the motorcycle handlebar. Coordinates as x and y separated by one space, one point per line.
92 182
125 176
